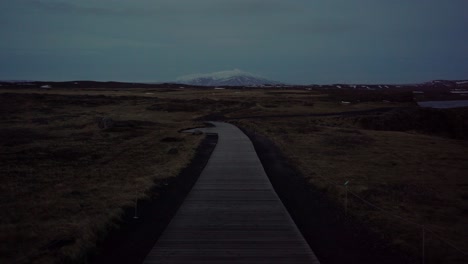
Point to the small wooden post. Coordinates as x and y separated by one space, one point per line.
346 197
423 256
136 208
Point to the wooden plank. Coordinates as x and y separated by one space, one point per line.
232 214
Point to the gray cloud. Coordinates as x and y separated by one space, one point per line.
168 7
295 41
256 7
66 7
78 7
323 27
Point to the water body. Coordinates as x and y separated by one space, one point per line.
444 104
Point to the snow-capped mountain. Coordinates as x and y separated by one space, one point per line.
225 78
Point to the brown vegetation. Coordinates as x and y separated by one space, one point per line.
451 123
65 181
415 179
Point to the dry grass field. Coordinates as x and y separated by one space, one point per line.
416 177
398 181
65 181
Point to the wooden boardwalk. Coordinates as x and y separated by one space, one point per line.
232 214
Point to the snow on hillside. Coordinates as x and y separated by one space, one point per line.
227 78
216 75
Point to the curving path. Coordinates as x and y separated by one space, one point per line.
232 214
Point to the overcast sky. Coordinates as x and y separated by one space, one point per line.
295 41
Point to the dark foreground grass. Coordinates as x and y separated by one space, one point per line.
416 179
65 182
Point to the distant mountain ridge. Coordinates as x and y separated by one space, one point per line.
234 77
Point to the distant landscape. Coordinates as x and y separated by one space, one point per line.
357 112
77 155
